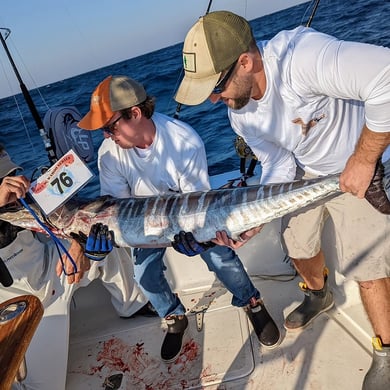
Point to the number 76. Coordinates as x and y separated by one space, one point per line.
62 181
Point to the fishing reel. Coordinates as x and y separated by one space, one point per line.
245 153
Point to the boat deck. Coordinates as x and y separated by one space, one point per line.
334 352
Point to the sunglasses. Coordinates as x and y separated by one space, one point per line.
109 129
220 86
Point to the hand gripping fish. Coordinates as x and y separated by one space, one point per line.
153 221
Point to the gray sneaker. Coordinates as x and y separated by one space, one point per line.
314 303
378 375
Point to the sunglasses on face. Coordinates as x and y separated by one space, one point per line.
109 129
220 86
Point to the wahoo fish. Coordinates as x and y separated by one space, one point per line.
153 221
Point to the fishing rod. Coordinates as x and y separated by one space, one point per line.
208 7
313 13
27 97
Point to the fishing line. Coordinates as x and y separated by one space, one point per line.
57 242
27 97
7 35
13 94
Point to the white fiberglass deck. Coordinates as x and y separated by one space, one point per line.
333 353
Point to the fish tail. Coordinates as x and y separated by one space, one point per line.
376 194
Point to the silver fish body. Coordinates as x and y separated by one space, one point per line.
153 221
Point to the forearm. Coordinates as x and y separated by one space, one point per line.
371 145
76 251
360 167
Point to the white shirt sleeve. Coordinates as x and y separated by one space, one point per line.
277 164
112 182
195 176
191 161
346 70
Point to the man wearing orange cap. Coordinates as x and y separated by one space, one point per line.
306 101
147 153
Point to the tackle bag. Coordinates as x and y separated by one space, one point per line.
61 126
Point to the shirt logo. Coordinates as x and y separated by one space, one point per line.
13 255
307 126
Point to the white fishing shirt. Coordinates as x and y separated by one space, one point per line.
320 92
176 161
32 268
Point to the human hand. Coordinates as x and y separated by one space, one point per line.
185 243
356 176
13 188
223 239
76 251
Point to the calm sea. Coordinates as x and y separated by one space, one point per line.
160 72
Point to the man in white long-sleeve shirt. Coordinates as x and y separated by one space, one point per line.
308 104
147 153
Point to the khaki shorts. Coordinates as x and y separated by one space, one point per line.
362 236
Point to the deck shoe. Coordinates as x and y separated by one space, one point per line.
314 303
173 341
378 375
263 324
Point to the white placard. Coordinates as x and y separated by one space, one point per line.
60 182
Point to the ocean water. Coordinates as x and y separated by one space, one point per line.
161 71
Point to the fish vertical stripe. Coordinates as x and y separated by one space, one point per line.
153 221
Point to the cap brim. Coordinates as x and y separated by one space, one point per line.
194 91
8 168
95 120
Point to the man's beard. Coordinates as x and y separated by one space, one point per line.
244 91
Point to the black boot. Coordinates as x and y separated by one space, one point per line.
378 376
314 303
173 341
146 311
263 324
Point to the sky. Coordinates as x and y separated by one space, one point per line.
52 40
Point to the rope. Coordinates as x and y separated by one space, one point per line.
57 242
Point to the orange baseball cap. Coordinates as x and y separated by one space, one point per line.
113 94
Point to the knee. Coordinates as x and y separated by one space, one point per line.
218 256
366 285
382 284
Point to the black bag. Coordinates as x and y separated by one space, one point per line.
61 126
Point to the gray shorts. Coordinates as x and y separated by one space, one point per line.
362 236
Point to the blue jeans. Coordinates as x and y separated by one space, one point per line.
223 261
